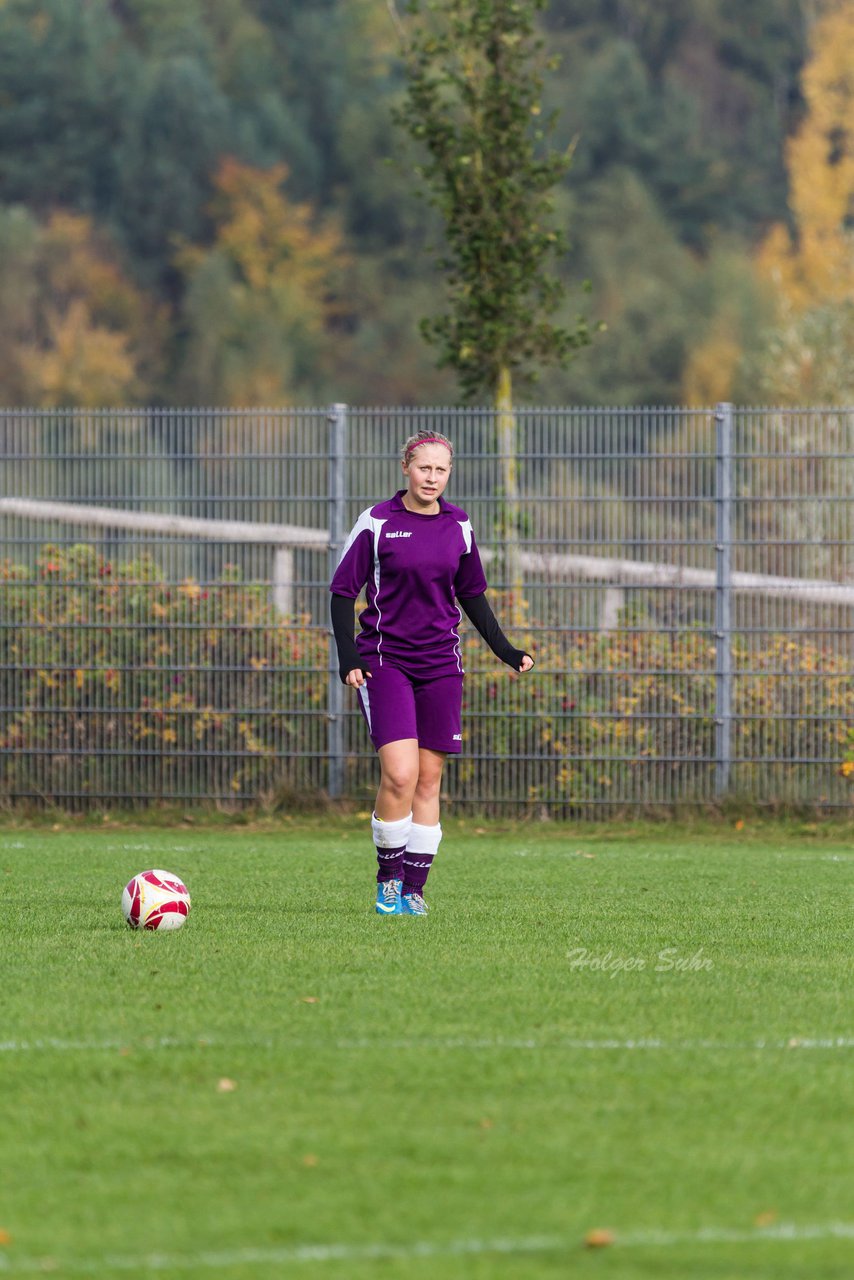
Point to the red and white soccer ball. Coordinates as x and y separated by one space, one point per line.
156 900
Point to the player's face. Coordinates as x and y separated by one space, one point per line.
428 472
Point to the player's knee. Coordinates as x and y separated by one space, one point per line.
399 779
428 786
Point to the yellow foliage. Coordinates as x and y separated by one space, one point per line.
819 267
89 329
272 242
80 265
710 370
280 259
83 364
269 238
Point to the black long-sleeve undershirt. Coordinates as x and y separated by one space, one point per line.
477 609
479 613
343 610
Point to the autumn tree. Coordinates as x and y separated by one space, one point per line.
811 269
260 298
808 351
817 264
75 330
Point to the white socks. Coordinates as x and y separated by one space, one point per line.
391 835
424 839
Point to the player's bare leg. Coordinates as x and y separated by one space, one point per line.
399 762
425 801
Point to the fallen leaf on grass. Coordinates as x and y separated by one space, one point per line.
225 1085
766 1218
486 1123
598 1238
310 1161
5 1238
308 999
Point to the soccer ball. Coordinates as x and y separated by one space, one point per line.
155 900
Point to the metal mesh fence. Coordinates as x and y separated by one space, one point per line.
683 578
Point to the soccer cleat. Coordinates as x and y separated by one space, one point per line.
412 904
388 898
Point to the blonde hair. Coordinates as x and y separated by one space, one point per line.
424 437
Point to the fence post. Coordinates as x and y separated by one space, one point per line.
337 419
283 581
723 598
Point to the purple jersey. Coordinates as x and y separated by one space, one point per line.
414 567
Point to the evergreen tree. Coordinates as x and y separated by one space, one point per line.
64 77
178 127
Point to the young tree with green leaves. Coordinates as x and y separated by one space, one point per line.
474 85
473 100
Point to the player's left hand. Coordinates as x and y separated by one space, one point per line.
526 663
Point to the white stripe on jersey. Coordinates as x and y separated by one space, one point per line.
377 526
457 652
468 536
366 702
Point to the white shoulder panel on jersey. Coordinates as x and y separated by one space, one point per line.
468 534
366 523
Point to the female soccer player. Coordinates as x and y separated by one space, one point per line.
416 555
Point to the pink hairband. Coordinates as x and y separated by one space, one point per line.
430 440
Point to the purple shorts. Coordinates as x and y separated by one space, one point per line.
397 706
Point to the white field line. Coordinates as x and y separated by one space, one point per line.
783 1233
667 855
465 1043
816 857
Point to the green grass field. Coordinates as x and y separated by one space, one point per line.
293 1086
